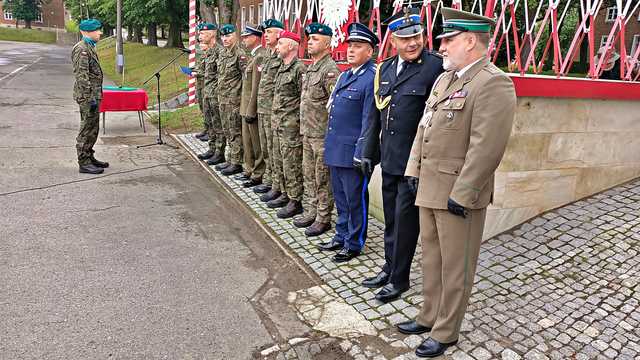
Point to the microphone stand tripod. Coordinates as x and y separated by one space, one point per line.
159 140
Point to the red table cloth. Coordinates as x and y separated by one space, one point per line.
133 100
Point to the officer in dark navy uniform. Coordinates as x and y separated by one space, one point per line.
349 107
402 85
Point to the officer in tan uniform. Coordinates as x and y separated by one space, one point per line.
254 165
459 143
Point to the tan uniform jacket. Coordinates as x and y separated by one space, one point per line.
250 83
462 136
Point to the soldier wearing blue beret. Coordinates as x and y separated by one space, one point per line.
402 86
349 107
87 92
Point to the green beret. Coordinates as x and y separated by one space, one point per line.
272 23
227 29
317 28
90 25
207 26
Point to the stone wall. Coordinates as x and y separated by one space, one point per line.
560 150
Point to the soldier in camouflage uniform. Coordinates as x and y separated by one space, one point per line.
253 161
87 92
231 65
317 86
198 72
215 154
272 184
286 123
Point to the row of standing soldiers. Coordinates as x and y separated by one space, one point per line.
270 110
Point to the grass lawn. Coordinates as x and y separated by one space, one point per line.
183 120
27 35
141 62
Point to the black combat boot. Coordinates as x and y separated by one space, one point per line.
293 208
272 194
278 202
98 163
90 169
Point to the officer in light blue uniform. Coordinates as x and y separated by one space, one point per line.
349 107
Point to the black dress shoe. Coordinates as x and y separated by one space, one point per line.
281 201
304 221
431 348
206 155
97 163
262 189
377 281
389 293
330 245
201 134
204 138
242 177
90 169
345 255
412 327
251 183
271 195
222 166
316 229
292 209
216 159
232 170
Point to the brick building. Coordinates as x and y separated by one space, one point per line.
605 21
52 16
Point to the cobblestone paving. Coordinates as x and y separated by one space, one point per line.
565 285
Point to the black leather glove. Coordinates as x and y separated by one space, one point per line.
456 209
93 105
366 166
413 182
250 120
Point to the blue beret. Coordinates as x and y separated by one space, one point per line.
227 29
252 30
272 23
405 23
90 25
207 26
361 33
317 28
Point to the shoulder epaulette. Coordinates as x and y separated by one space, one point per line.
435 53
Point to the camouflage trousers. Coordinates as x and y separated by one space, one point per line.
88 133
232 125
217 141
266 141
289 157
199 95
317 184
253 161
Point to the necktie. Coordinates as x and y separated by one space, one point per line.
403 67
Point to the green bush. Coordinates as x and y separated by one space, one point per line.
71 26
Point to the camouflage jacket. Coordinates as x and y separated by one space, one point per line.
88 74
318 83
211 73
199 69
250 83
231 65
286 96
267 72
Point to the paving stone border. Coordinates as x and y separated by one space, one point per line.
564 285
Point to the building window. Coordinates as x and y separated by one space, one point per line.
244 17
39 17
612 14
603 41
8 15
636 42
251 10
260 13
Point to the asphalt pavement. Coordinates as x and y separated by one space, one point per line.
150 260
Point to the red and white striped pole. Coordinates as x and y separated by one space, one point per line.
192 47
